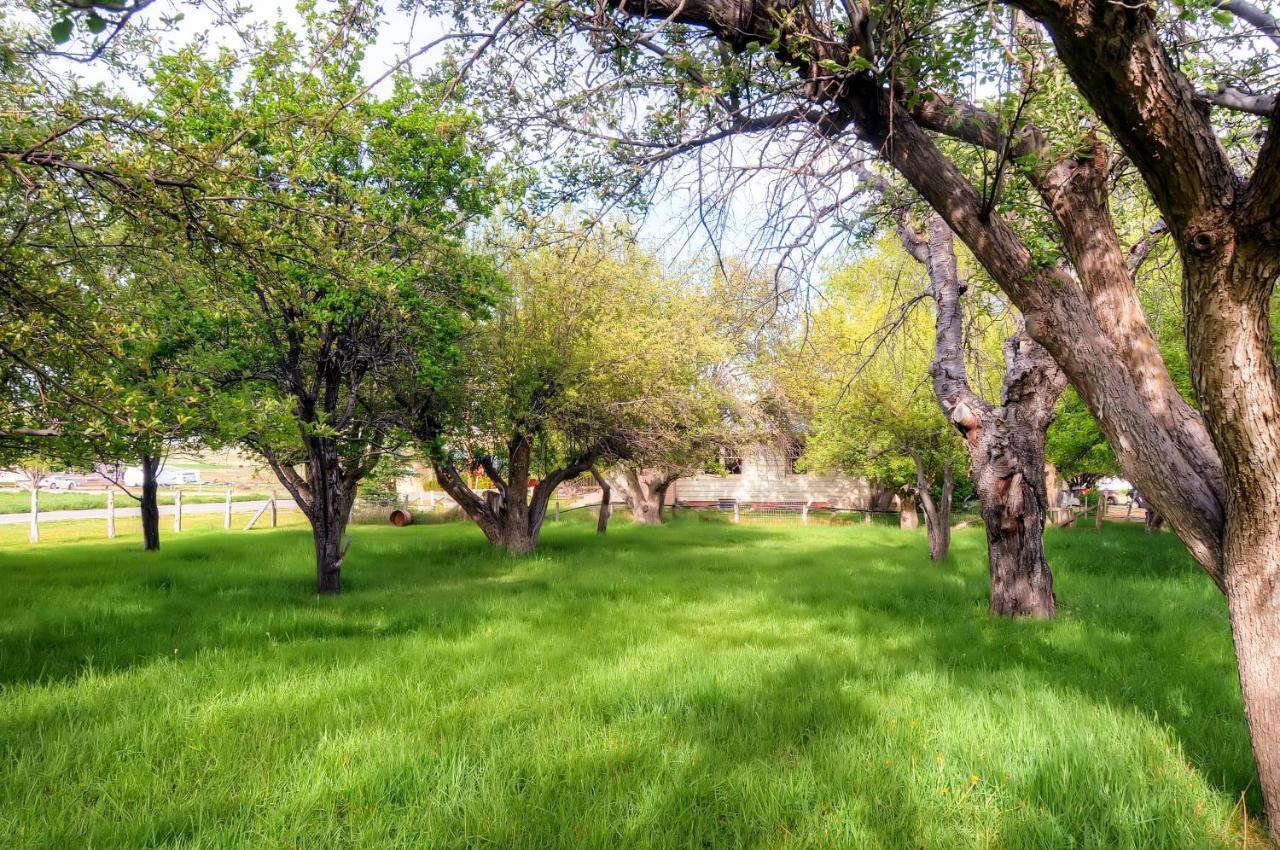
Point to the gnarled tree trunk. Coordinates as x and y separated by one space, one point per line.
1005 443
645 490
511 518
325 492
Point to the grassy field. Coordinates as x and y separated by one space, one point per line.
19 501
697 685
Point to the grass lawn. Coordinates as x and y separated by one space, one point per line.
19 501
697 685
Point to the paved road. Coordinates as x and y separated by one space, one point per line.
165 510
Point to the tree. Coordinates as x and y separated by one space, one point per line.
864 381
683 421
581 362
1005 442
325 271
836 79
93 330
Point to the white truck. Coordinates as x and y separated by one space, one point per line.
166 477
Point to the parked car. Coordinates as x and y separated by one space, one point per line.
60 482
73 481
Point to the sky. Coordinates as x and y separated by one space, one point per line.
672 229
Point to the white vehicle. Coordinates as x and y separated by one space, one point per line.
59 482
164 478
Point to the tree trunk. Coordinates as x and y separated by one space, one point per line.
937 516
907 516
1013 510
510 518
1253 562
644 491
515 535
1005 444
33 529
328 508
150 504
327 532
606 493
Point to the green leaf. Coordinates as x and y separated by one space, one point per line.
61 31
95 24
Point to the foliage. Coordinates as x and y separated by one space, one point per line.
865 369
330 278
593 351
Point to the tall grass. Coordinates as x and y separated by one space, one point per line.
695 685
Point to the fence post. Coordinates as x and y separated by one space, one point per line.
804 513
254 519
557 510
177 510
226 515
735 512
866 517
111 514
274 518
33 534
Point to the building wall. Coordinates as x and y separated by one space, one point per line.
766 478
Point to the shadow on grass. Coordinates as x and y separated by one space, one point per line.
760 664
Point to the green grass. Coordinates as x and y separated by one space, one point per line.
697 685
19 501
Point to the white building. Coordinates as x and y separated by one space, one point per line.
764 475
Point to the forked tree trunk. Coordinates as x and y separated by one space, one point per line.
325 495
150 505
908 518
511 518
644 491
1005 444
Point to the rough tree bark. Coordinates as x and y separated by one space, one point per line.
645 491
1211 476
511 518
150 504
1005 443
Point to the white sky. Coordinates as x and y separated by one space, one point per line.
670 230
